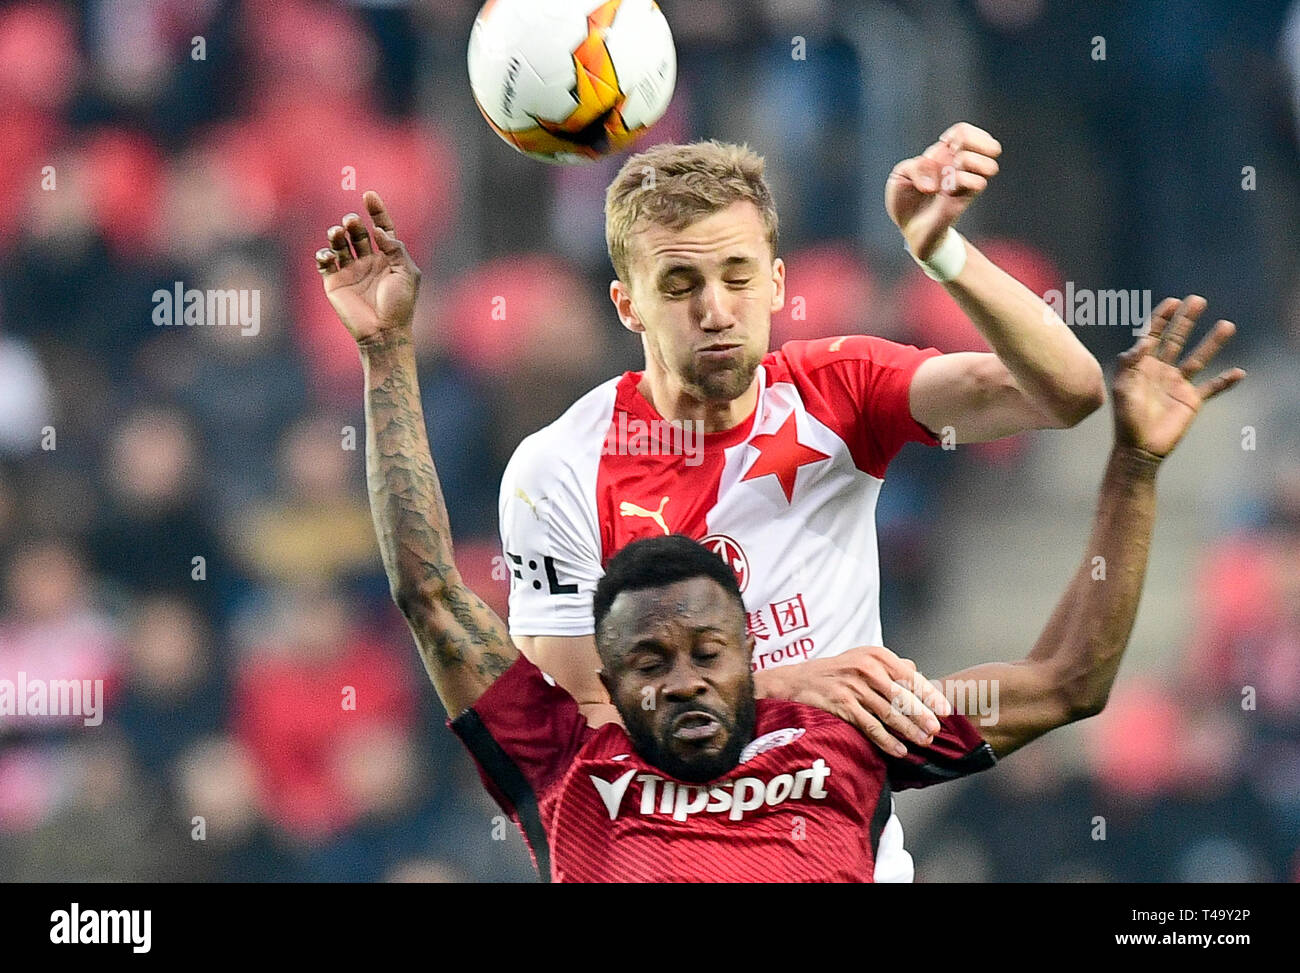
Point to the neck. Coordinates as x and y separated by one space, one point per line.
672 400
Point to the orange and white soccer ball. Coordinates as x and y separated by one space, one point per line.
571 80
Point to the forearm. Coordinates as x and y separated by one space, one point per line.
1068 674
405 497
1050 365
1088 632
462 643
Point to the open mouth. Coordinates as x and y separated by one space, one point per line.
695 726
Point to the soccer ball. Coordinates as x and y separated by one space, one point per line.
571 80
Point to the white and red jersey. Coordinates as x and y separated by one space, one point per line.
788 497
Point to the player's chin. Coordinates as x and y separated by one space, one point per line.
699 760
725 381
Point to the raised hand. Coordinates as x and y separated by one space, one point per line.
924 195
372 287
1155 400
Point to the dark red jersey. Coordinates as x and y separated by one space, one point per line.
807 803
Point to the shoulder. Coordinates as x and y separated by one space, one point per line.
958 750
785 730
523 704
775 715
610 741
847 352
860 386
572 442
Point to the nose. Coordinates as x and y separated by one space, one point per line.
683 683
715 309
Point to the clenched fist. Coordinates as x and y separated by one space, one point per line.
924 195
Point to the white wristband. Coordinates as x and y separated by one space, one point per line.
948 259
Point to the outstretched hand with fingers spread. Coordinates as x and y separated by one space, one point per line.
1155 400
372 287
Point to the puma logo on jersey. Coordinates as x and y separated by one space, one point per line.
629 509
519 492
733 797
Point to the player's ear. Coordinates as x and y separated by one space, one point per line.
778 284
621 295
606 682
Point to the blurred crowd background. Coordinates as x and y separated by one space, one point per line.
127 450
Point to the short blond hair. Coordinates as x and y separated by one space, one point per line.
676 185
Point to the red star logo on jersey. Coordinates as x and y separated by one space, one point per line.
781 454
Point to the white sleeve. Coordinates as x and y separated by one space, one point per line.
893 861
551 541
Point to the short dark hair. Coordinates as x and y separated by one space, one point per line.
655 563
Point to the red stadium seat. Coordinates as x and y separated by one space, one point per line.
38 57
526 310
829 291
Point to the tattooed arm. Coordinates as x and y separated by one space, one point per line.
463 643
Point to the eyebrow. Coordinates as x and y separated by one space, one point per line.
649 643
682 269
644 645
